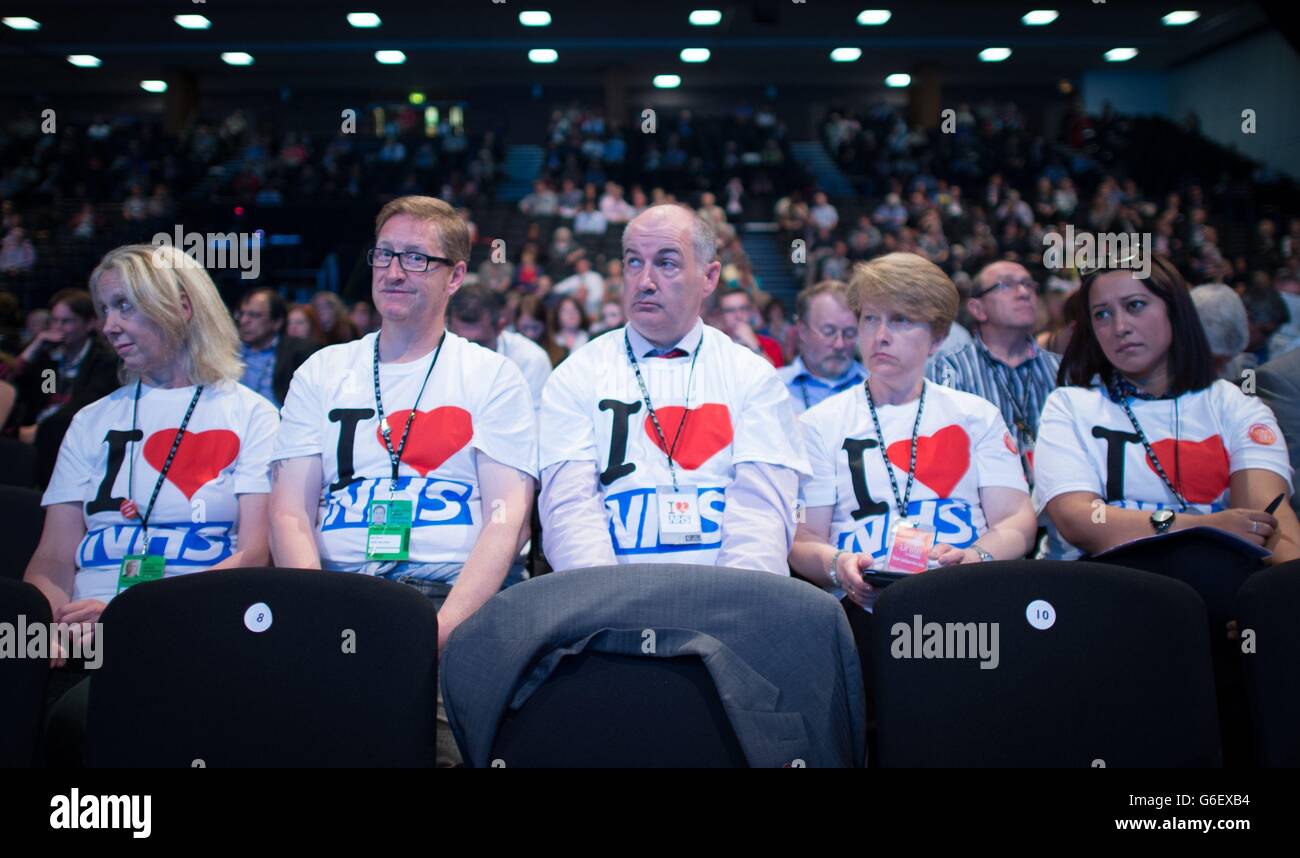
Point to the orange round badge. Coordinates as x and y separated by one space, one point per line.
1261 434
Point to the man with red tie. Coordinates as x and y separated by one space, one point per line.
663 441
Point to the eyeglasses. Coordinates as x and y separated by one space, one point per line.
897 324
410 260
829 333
1005 286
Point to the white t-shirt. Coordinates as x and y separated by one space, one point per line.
475 400
226 452
1220 431
531 359
963 446
592 411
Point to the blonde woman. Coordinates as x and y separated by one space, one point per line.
905 474
169 474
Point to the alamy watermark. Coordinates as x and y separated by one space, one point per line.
1086 251
241 251
946 640
51 640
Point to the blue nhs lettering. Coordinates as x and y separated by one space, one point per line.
183 543
634 521
437 502
950 518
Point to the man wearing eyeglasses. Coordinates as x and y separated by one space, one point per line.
438 432
1003 364
828 338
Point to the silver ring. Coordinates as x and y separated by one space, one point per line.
1254 526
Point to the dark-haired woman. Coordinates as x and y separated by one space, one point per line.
1140 425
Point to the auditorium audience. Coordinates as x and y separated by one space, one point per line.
568 324
270 355
1003 364
827 336
733 312
303 324
1223 317
335 324
477 313
533 321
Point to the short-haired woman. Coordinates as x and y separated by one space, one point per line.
899 463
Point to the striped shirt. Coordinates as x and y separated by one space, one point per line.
1019 393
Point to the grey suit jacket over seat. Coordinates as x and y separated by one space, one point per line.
1278 384
779 651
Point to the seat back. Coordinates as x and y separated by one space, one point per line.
23 518
1119 671
22 679
266 668
1270 645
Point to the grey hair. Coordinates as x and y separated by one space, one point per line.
704 238
1223 316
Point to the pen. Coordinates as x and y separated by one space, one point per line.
1277 501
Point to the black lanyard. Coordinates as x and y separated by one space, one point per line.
395 456
900 500
1142 436
162 474
654 418
1021 422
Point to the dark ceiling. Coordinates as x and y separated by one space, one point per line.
469 44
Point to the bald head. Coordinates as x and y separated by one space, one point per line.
669 269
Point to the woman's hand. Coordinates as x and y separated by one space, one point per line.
82 615
950 555
1254 526
849 568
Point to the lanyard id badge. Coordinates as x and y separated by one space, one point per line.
909 548
388 536
679 515
138 568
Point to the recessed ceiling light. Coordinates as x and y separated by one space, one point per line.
846 55
543 55
994 55
1120 55
1179 18
667 81
898 80
1040 17
695 55
85 61
192 22
535 19
706 17
390 58
153 85
874 17
237 58
364 20
20 22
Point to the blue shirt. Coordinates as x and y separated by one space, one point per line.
259 370
806 389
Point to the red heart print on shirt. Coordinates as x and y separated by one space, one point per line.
941 459
1203 466
436 436
708 430
200 458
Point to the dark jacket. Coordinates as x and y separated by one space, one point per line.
289 355
96 378
1278 384
779 650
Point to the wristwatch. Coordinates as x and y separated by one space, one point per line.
1162 520
985 557
835 577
